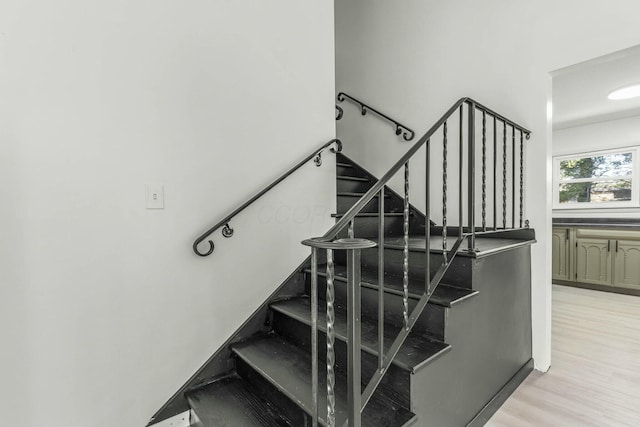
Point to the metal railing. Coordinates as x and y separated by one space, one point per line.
467 181
334 145
407 134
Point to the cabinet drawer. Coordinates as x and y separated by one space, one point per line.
611 234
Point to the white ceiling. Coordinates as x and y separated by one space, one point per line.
580 91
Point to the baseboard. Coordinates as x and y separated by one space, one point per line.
496 401
593 287
180 420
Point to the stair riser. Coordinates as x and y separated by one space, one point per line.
349 186
273 394
368 227
458 274
432 320
395 384
344 171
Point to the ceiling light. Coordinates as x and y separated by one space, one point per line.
626 92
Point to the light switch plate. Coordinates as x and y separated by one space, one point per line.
155 196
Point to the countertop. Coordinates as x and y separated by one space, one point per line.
627 223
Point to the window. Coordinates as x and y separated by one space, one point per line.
605 179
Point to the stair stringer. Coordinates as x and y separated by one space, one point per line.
222 361
490 337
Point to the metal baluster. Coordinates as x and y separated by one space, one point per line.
504 176
350 230
471 170
405 252
381 281
460 168
427 220
354 362
444 192
513 177
521 178
314 336
484 171
331 378
495 174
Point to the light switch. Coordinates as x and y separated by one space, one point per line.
155 196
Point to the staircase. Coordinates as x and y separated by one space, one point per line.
466 352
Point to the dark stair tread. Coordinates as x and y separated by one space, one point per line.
289 369
416 352
358 194
352 178
484 245
372 214
444 295
232 402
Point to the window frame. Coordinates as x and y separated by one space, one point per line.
635 180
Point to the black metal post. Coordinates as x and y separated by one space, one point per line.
353 338
472 175
314 336
460 175
427 220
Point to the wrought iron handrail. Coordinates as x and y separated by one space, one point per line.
356 403
227 231
407 134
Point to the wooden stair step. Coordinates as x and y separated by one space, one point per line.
344 165
358 194
444 295
352 178
288 368
416 352
232 402
372 214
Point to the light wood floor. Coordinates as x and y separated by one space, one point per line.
594 378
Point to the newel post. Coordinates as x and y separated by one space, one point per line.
353 248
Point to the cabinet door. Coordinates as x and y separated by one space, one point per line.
593 259
560 254
627 264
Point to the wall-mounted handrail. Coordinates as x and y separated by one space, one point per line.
407 134
462 233
339 112
227 231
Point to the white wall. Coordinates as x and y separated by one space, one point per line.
104 309
593 137
597 136
416 59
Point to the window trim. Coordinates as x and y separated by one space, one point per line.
635 180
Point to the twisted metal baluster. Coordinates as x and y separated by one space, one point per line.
331 358
350 229
405 252
444 191
513 176
495 174
504 176
521 178
484 171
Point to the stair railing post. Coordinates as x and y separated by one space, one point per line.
314 336
354 366
471 190
353 337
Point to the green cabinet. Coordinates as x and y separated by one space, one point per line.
561 250
593 261
598 256
627 264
